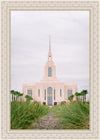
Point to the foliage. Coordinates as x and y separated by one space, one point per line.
16 94
77 94
12 91
74 115
63 102
28 98
82 94
24 113
71 98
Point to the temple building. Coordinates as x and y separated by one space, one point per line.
50 90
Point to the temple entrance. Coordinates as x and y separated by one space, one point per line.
49 96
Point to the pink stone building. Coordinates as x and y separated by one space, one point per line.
49 90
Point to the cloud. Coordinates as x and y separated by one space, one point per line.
30 32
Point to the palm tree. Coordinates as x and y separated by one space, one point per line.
28 98
71 98
81 95
12 92
15 93
77 95
84 92
18 94
21 94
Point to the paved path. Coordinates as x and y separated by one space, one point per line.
49 121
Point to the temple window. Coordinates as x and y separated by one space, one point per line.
49 90
29 92
69 93
54 94
49 58
45 94
38 92
60 92
49 72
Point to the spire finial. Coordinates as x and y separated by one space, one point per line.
49 42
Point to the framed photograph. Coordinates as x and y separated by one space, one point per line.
49 69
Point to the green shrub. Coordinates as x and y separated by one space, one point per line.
74 115
24 113
63 102
28 98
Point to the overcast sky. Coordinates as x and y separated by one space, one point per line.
30 32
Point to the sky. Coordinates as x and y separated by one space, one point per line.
30 32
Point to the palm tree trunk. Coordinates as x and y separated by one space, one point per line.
12 97
76 98
17 98
85 97
20 98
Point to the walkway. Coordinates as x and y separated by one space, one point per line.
49 121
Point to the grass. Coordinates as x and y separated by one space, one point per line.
74 115
24 113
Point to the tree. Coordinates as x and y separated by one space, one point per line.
21 94
15 93
81 94
18 94
71 98
77 95
12 92
28 98
84 92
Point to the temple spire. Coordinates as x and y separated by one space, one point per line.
49 53
49 43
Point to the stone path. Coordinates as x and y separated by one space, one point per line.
49 121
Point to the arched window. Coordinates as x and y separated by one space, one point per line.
60 92
49 58
49 90
38 92
45 94
69 93
49 72
54 94
29 92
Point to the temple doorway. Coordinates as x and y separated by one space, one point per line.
49 96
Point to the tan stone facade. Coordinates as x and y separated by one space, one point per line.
50 90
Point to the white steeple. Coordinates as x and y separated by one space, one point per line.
49 43
49 53
50 69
